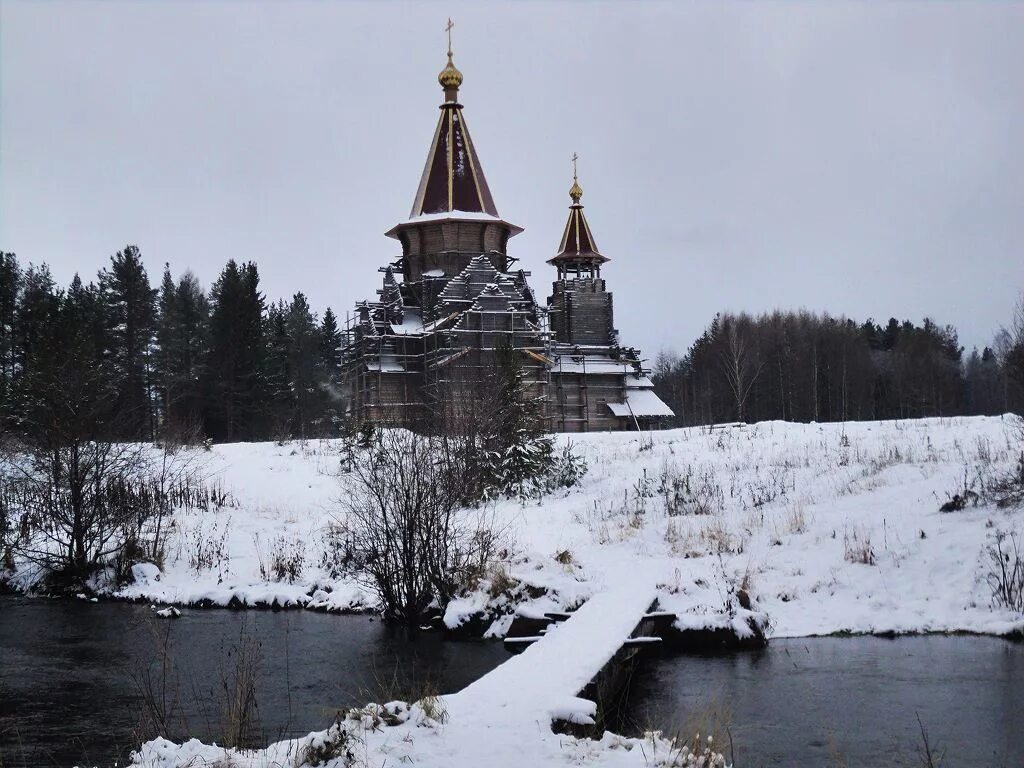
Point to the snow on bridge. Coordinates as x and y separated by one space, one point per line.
507 714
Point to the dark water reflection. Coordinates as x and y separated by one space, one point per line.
849 701
67 693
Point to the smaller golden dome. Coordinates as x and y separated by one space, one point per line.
575 192
450 77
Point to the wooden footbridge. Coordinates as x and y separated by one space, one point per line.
559 676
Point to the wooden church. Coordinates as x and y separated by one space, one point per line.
429 339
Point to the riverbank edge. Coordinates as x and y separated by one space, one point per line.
694 640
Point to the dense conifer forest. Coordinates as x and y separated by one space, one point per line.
137 361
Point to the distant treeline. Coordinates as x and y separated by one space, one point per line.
800 366
123 360
119 359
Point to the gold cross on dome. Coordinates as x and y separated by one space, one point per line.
574 158
448 29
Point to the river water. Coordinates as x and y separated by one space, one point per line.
846 701
69 672
69 691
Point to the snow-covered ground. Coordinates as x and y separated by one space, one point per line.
788 512
828 528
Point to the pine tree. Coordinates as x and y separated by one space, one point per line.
236 365
304 365
166 342
68 388
520 453
279 393
330 371
192 345
182 340
36 309
130 309
10 288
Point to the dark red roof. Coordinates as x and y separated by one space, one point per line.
577 240
452 177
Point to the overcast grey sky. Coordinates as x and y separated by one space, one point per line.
860 158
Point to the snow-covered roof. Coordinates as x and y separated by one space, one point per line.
641 402
387 364
412 322
566 364
639 382
463 215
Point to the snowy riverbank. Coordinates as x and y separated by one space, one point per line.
829 528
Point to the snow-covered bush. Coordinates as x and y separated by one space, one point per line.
566 469
334 744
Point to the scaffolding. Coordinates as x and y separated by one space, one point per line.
402 360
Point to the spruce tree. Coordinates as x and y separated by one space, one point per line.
10 287
237 355
330 371
36 309
182 341
520 452
303 364
130 309
192 339
166 342
280 400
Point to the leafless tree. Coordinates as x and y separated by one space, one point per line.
419 544
739 364
64 491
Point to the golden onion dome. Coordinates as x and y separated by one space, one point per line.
450 77
575 192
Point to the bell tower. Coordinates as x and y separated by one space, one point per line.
580 308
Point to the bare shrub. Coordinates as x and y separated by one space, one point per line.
75 501
685 491
857 547
7 529
208 549
717 537
284 561
238 682
1008 490
158 685
796 519
928 755
338 556
764 490
89 505
983 449
404 504
501 581
1005 576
